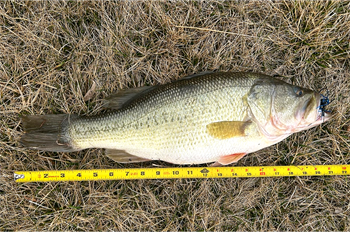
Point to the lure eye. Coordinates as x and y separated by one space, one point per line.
299 92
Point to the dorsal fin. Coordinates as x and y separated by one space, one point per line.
117 100
196 75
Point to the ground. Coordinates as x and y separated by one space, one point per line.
53 53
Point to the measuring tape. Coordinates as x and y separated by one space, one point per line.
183 172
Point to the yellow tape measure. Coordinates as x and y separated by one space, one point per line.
183 172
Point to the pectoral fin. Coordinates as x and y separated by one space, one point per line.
121 156
227 129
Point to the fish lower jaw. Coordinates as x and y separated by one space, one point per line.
319 120
273 134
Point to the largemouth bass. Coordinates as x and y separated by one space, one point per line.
216 117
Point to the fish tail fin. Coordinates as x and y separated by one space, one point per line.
47 132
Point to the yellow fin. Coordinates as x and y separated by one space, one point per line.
227 129
122 156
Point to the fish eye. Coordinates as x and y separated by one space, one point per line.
299 92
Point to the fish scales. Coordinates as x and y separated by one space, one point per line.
170 120
216 117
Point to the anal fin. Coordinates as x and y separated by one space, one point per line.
122 156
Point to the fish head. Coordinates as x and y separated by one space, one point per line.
295 108
281 109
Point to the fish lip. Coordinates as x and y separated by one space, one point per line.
318 99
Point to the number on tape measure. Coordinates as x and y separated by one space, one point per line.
182 172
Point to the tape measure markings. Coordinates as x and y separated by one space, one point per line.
180 172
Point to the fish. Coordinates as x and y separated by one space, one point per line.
216 118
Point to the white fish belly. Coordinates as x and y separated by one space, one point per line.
210 152
203 149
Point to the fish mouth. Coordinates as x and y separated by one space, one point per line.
321 115
312 114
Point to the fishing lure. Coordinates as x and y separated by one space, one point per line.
324 102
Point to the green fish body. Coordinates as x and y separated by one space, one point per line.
216 117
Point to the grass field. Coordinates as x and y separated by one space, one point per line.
53 53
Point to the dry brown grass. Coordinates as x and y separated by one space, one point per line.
52 52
